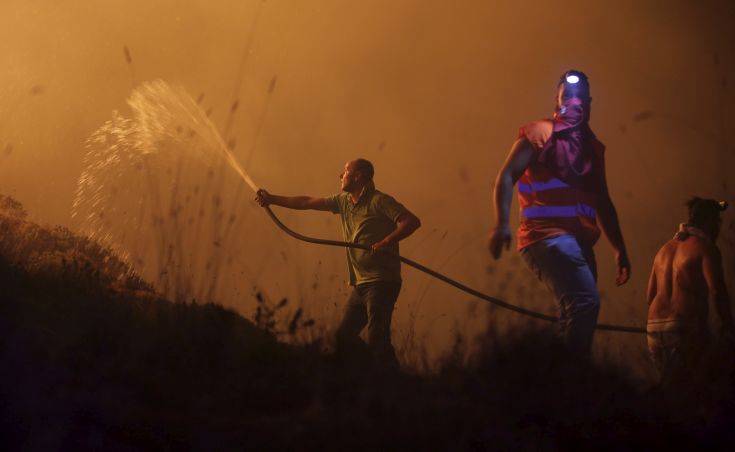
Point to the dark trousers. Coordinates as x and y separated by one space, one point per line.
570 271
370 304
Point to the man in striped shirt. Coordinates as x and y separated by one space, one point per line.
559 166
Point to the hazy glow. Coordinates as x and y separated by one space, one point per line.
431 92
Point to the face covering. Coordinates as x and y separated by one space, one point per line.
568 153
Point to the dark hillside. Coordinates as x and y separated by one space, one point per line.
92 358
87 345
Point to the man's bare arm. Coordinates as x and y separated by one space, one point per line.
518 160
717 290
652 288
292 202
406 224
611 227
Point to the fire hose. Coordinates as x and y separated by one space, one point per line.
446 279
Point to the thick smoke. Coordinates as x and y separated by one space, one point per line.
432 92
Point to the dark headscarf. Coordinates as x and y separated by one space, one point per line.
569 152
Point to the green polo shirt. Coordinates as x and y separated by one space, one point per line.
367 222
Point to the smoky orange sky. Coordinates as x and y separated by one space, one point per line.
433 92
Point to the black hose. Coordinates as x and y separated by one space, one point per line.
446 279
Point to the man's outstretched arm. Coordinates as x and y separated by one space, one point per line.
518 160
263 198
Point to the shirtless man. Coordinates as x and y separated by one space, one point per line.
686 277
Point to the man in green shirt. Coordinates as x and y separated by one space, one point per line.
372 218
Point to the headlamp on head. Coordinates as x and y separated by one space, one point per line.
723 205
576 83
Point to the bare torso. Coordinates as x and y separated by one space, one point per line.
678 289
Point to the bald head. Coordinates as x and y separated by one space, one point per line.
357 174
365 168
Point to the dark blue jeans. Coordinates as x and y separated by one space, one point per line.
569 270
370 304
